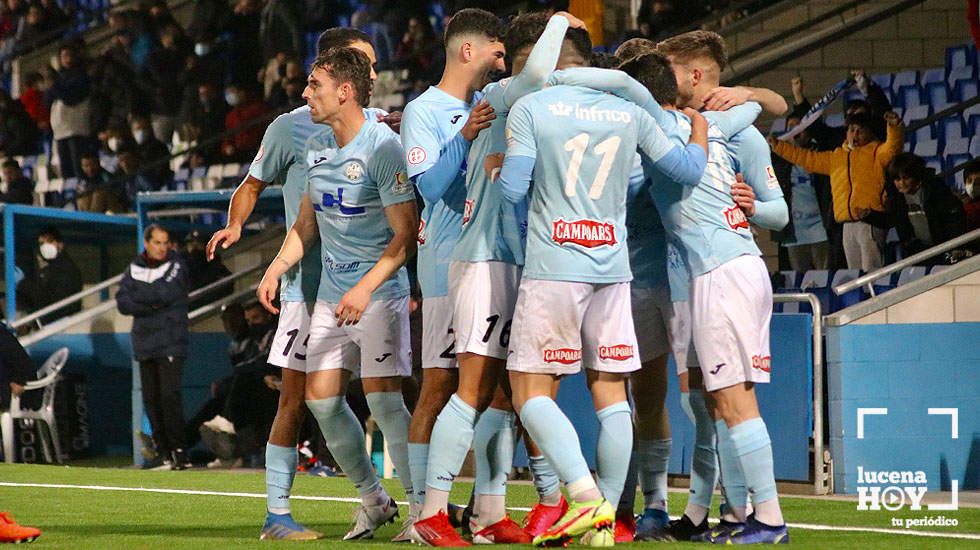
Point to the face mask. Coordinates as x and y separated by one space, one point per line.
202 49
113 144
49 251
141 136
231 98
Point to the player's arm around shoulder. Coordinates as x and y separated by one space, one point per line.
684 165
769 209
518 164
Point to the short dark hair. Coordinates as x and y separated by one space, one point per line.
971 167
863 120
689 45
580 42
654 72
339 37
52 233
908 165
148 232
634 47
604 60
11 163
523 31
474 21
348 65
89 155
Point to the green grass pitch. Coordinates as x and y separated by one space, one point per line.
86 518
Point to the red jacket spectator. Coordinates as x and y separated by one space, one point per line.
245 109
33 99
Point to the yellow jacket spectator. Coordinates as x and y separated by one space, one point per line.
857 182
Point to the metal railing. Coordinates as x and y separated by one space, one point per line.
67 322
823 481
68 300
869 278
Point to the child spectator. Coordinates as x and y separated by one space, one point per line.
95 191
857 174
920 206
18 189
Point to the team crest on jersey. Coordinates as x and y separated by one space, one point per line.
617 352
468 210
735 217
421 237
771 181
585 233
762 362
402 184
354 170
565 356
416 155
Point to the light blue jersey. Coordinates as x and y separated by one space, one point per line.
350 187
580 144
677 274
494 229
281 160
807 224
710 228
647 240
430 123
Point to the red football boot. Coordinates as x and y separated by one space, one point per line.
541 517
505 531
625 526
436 531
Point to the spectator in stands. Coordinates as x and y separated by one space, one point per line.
158 78
154 291
19 134
57 276
209 19
69 99
280 29
244 123
244 26
656 18
207 65
416 48
55 17
921 207
118 91
202 272
808 196
971 198
33 29
857 173
207 110
129 180
32 97
154 155
289 94
95 191
159 17
272 73
18 189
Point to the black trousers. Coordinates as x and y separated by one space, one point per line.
162 403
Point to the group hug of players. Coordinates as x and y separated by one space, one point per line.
573 217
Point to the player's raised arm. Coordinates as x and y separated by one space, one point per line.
723 98
769 209
301 236
518 167
684 165
542 59
615 82
736 119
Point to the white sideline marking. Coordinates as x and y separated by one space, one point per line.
810 526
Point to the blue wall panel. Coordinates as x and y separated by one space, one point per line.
906 369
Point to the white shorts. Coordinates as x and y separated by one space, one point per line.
484 295
289 345
685 357
651 321
377 346
730 311
438 340
561 326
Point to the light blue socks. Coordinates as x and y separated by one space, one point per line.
732 479
614 448
704 461
754 451
345 439
389 411
450 441
280 469
546 481
555 435
628 499
493 449
653 456
418 464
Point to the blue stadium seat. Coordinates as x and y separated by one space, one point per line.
932 75
956 147
964 89
816 281
915 113
884 80
938 268
848 298
883 284
935 163
909 274
834 120
938 96
902 81
952 161
926 147
974 147
952 128
912 96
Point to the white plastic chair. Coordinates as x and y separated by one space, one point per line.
48 376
